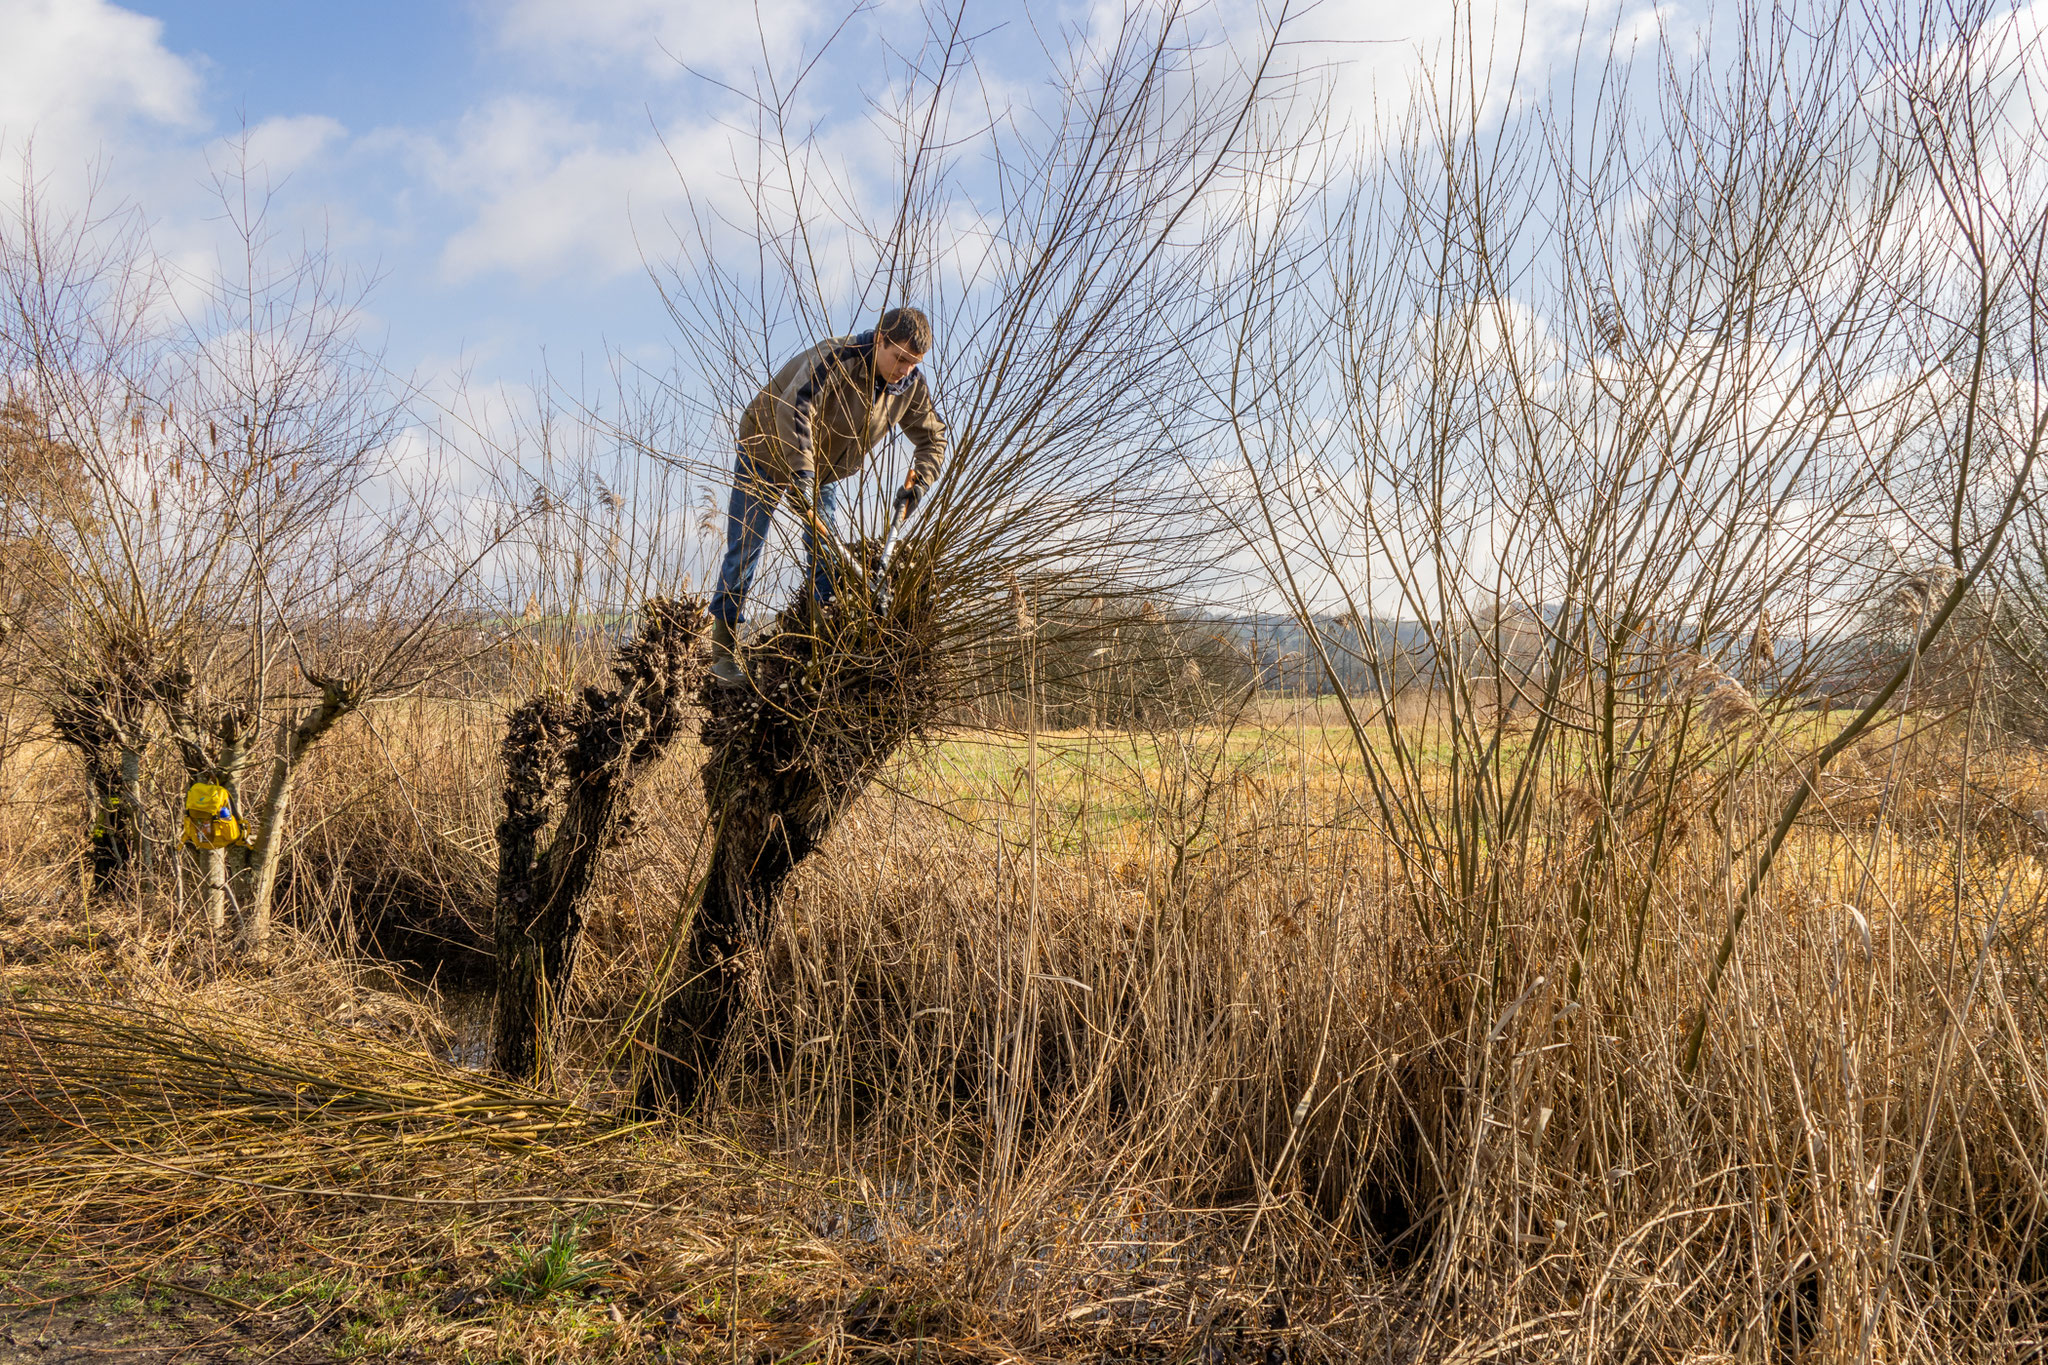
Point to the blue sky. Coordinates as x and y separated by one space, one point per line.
367 63
373 110
498 164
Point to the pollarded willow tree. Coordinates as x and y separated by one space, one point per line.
243 559
1627 407
1605 400
1080 247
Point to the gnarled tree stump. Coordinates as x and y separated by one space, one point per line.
830 694
583 759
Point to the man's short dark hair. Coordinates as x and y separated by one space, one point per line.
907 327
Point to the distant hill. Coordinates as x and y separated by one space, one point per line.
1287 661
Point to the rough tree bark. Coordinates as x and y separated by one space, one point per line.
101 713
830 694
583 758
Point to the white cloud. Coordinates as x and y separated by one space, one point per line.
279 146
552 197
78 75
1379 56
654 34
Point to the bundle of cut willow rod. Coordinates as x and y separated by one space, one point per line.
129 1132
111 1069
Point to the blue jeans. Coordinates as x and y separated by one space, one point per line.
747 516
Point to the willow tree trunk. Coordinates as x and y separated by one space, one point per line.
213 888
253 864
586 758
217 754
536 734
116 781
762 840
829 695
100 716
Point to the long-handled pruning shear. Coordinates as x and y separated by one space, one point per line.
878 580
879 585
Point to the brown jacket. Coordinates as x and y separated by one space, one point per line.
824 410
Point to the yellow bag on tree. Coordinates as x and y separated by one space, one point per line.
103 816
210 817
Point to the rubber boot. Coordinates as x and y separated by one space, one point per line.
725 666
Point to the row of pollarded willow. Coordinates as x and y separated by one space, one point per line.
1072 256
212 543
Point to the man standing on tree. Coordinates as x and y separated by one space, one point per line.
809 427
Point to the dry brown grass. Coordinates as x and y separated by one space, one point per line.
1252 1094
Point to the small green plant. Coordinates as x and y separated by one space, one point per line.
362 1337
325 1288
553 1268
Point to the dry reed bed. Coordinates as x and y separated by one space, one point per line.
1130 1108
162 1142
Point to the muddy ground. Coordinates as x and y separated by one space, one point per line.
55 1323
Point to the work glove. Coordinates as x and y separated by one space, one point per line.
907 498
802 498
